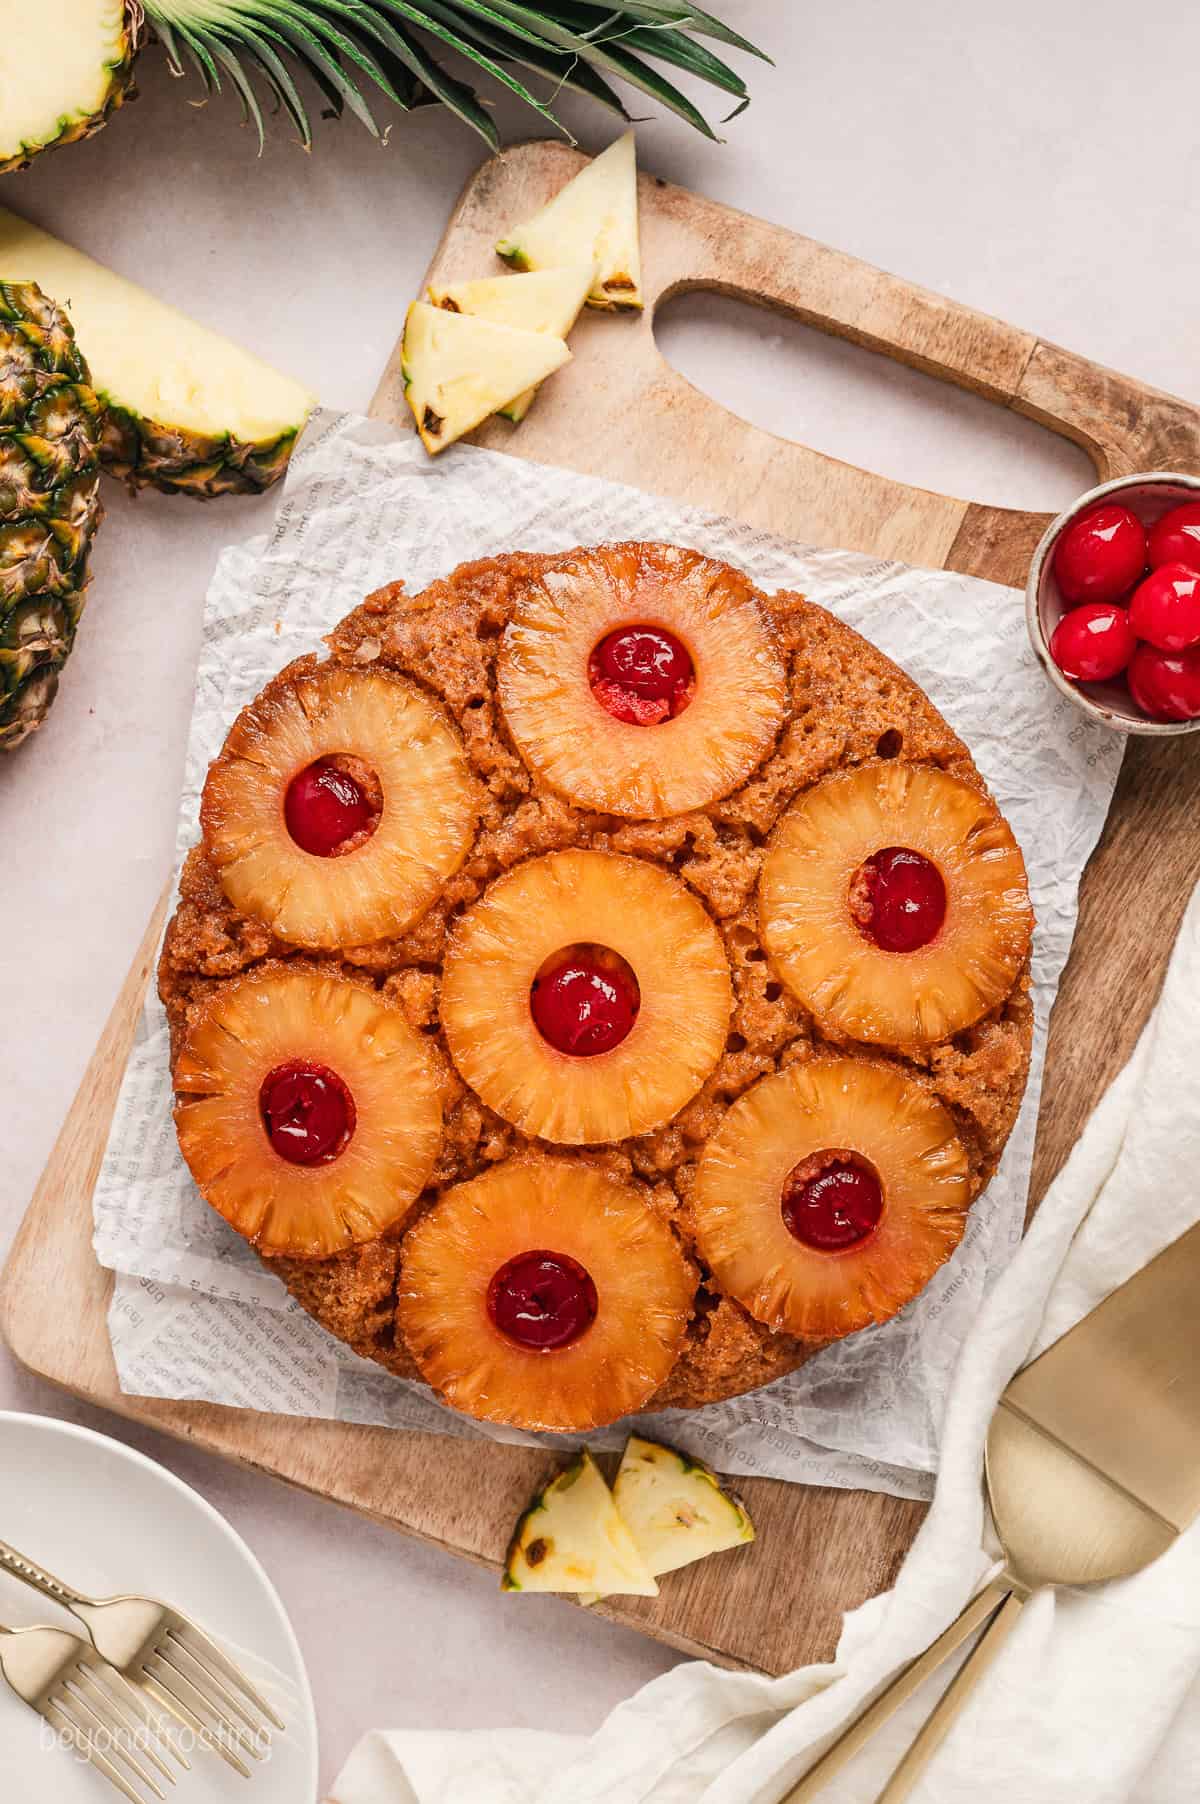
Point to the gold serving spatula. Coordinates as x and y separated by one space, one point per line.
1093 1469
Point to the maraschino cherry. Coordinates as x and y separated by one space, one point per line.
642 674
1093 643
1153 639
1101 555
324 807
1165 610
542 1301
1175 539
586 1003
307 1111
834 1207
1166 684
904 903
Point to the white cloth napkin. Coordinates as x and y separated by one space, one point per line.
1096 1696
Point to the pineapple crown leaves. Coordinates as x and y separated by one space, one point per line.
394 45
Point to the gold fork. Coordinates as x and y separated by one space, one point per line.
167 1656
1092 1471
91 1707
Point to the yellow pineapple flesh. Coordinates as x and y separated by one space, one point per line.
676 1508
259 1031
649 923
545 300
545 1294
815 923
593 219
558 705
458 368
800 1124
573 1539
420 827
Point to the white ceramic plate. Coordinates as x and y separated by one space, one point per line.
108 1520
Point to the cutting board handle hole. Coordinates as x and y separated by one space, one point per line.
866 409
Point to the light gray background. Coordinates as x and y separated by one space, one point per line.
1038 160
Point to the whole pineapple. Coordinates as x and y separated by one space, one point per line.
50 425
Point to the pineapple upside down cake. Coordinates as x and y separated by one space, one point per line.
599 984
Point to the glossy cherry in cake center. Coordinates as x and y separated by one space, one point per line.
585 1000
541 1300
307 1111
329 805
642 674
832 1201
898 898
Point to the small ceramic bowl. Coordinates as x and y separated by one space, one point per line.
1150 496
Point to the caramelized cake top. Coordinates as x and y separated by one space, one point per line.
834 704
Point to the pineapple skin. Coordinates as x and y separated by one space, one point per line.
120 89
145 454
50 424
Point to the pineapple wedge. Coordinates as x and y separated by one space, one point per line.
594 218
65 65
571 1539
675 1509
544 300
185 409
458 369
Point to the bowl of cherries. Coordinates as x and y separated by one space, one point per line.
1113 603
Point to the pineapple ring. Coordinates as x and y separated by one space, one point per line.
251 1026
645 1291
379 888
581 750
653 922
854 987
870 1109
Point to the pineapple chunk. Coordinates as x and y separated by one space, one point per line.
572 1539
459 369
545 300
187 409
595 217
675 1508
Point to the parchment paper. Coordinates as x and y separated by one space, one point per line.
194 1313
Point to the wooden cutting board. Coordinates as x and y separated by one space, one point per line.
619 410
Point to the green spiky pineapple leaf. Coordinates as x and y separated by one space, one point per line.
350 49
678 12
